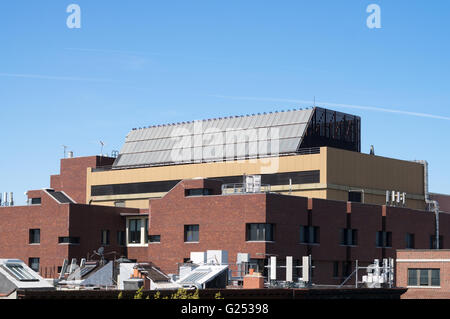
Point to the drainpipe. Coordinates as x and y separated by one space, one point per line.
432 205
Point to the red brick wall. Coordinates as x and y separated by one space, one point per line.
428 292
222 222
72 178
58 220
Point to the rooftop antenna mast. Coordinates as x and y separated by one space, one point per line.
65 148
101 150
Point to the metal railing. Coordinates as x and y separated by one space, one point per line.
241 188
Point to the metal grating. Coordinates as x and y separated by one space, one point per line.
195 277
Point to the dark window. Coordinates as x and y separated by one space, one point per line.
259 232
155 238
304 177
105 237
410 241
309 234
433 242
424 277
355 196
198 192
336 269
36 201
384 239
35 236
146 230
33 263
68 240
349 237
412 277
191 233
134 231
121 238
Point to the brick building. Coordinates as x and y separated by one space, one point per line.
195 216
324 199
426 273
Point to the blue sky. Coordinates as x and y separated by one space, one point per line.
142 62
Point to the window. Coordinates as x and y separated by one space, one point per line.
424 277
191 233
355 196
33 263
309 234
68 240
35 236
336 269
198 192
146 230
384 239
433 242
259 232
121 238
35 201
105 237
154 238
134 231
349 237
410 241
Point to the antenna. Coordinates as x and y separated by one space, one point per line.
314 105
65 148
101 150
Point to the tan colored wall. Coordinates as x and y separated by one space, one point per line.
340 171
375 175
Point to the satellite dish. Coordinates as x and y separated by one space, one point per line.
101 250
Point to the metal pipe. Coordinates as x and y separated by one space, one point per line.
432 205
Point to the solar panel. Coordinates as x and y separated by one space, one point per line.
195 276
19 272
156 143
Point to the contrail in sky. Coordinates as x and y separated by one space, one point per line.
325 104
51 77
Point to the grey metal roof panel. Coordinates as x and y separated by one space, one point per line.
155 144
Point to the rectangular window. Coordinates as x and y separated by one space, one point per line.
121 238
259 232
134 231
68 240
424 277
198 192
410 241
384 239
349 237
105 237
336 269
154 238
309 234
33 263
35 236
146 230
433 242
355 196
191 233
36 201
412 277
346 268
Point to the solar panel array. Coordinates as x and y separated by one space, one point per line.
20 272
234 137
195 276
